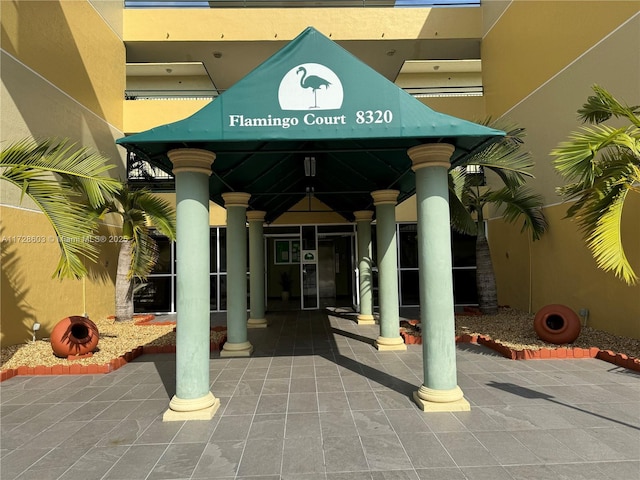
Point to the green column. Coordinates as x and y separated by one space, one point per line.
256 270
385 203
363 225
440 391
192 400
237 344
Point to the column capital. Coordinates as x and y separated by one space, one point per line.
363 215
256 216
236 199
191 160
381 197
431 155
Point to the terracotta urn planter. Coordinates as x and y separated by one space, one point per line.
557 324
74 336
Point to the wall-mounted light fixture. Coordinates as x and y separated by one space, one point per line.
36 327
309 166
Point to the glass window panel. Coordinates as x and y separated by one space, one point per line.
464 287
335 229
309 238
374 245
309 286
410 294
222 240
213 288
281 230
223 292
213 247
408 241
163 264
464 250
154 296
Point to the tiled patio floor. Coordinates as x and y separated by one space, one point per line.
317 402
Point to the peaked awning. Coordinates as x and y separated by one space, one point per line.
312 119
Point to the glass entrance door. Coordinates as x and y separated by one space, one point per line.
309 268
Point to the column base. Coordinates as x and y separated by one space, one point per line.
366 319
387 344
430 400
243 349
203 408
257 323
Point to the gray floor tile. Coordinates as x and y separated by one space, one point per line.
303 402
384 452
136 463
267 426
465 449
440 474
302 425
363 401
178 461
425 450
272 404
372 422
395 475
160 432
332 402
546 447
219 459
261 457
234 427
337 424
302 455
344 454
331 408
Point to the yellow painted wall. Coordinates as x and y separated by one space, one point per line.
533 40
540 88
249 24
28 293
141 115
563 271
69 44
63 75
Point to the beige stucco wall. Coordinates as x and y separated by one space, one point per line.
540 87
63 74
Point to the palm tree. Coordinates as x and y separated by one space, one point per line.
138 250
603 165
468 197
60 178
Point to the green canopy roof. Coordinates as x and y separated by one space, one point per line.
311 99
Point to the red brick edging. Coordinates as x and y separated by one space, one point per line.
116 363
619 359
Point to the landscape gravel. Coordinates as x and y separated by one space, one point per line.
509 327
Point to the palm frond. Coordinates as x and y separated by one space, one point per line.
144 253
139 210
505 157
521 204
72 222
576 158
461 219
80 169
159 212
602 106
600 217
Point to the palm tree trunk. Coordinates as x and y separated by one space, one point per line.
124 286
485 278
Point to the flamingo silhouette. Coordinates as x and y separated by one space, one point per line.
313 82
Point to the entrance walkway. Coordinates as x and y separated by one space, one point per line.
317 402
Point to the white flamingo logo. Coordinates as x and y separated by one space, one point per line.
310 86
